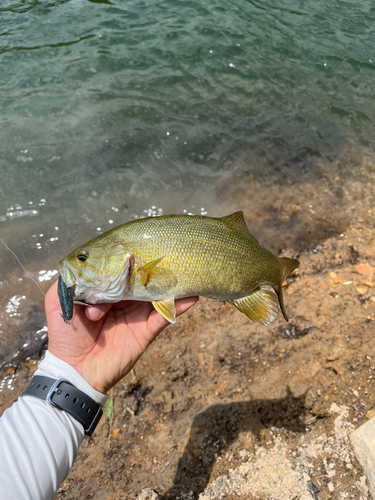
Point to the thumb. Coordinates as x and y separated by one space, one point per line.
97 311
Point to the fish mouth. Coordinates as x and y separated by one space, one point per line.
67 274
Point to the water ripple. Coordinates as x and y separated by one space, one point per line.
132 105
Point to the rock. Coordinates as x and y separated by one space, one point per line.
335 353
368 283
336 280
148 494
365 269
363 443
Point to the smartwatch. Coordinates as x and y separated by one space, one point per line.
66 397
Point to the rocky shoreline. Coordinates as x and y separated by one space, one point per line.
220 407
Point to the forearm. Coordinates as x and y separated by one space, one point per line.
39 443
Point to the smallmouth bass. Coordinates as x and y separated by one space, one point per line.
160 259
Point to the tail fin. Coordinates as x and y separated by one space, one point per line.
287 267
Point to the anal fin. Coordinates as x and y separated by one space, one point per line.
261 306
166 309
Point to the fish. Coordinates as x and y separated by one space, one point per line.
161 259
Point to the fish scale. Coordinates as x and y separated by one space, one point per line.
210 257
161 259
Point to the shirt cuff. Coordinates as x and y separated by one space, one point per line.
54 367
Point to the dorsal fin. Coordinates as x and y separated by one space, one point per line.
236 217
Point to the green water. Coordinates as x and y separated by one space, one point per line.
115 109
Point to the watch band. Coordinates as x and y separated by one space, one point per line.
65 396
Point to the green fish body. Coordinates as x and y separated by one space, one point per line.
160 259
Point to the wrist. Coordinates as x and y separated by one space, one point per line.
91 380
89 373
54 367
64 396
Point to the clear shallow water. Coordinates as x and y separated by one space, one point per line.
112 110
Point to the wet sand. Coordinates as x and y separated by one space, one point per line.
224 408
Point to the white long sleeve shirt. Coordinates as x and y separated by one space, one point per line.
39 443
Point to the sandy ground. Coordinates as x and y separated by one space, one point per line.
220 407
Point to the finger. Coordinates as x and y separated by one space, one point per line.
129 305
51 300
157 323
97 311
183 305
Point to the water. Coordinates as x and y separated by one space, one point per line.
113 110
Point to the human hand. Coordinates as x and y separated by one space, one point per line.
104 341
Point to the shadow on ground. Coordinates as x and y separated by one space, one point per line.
215 429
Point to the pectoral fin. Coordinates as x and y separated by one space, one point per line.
146 269
166 309
261 306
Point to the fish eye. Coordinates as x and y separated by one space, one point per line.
82 255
